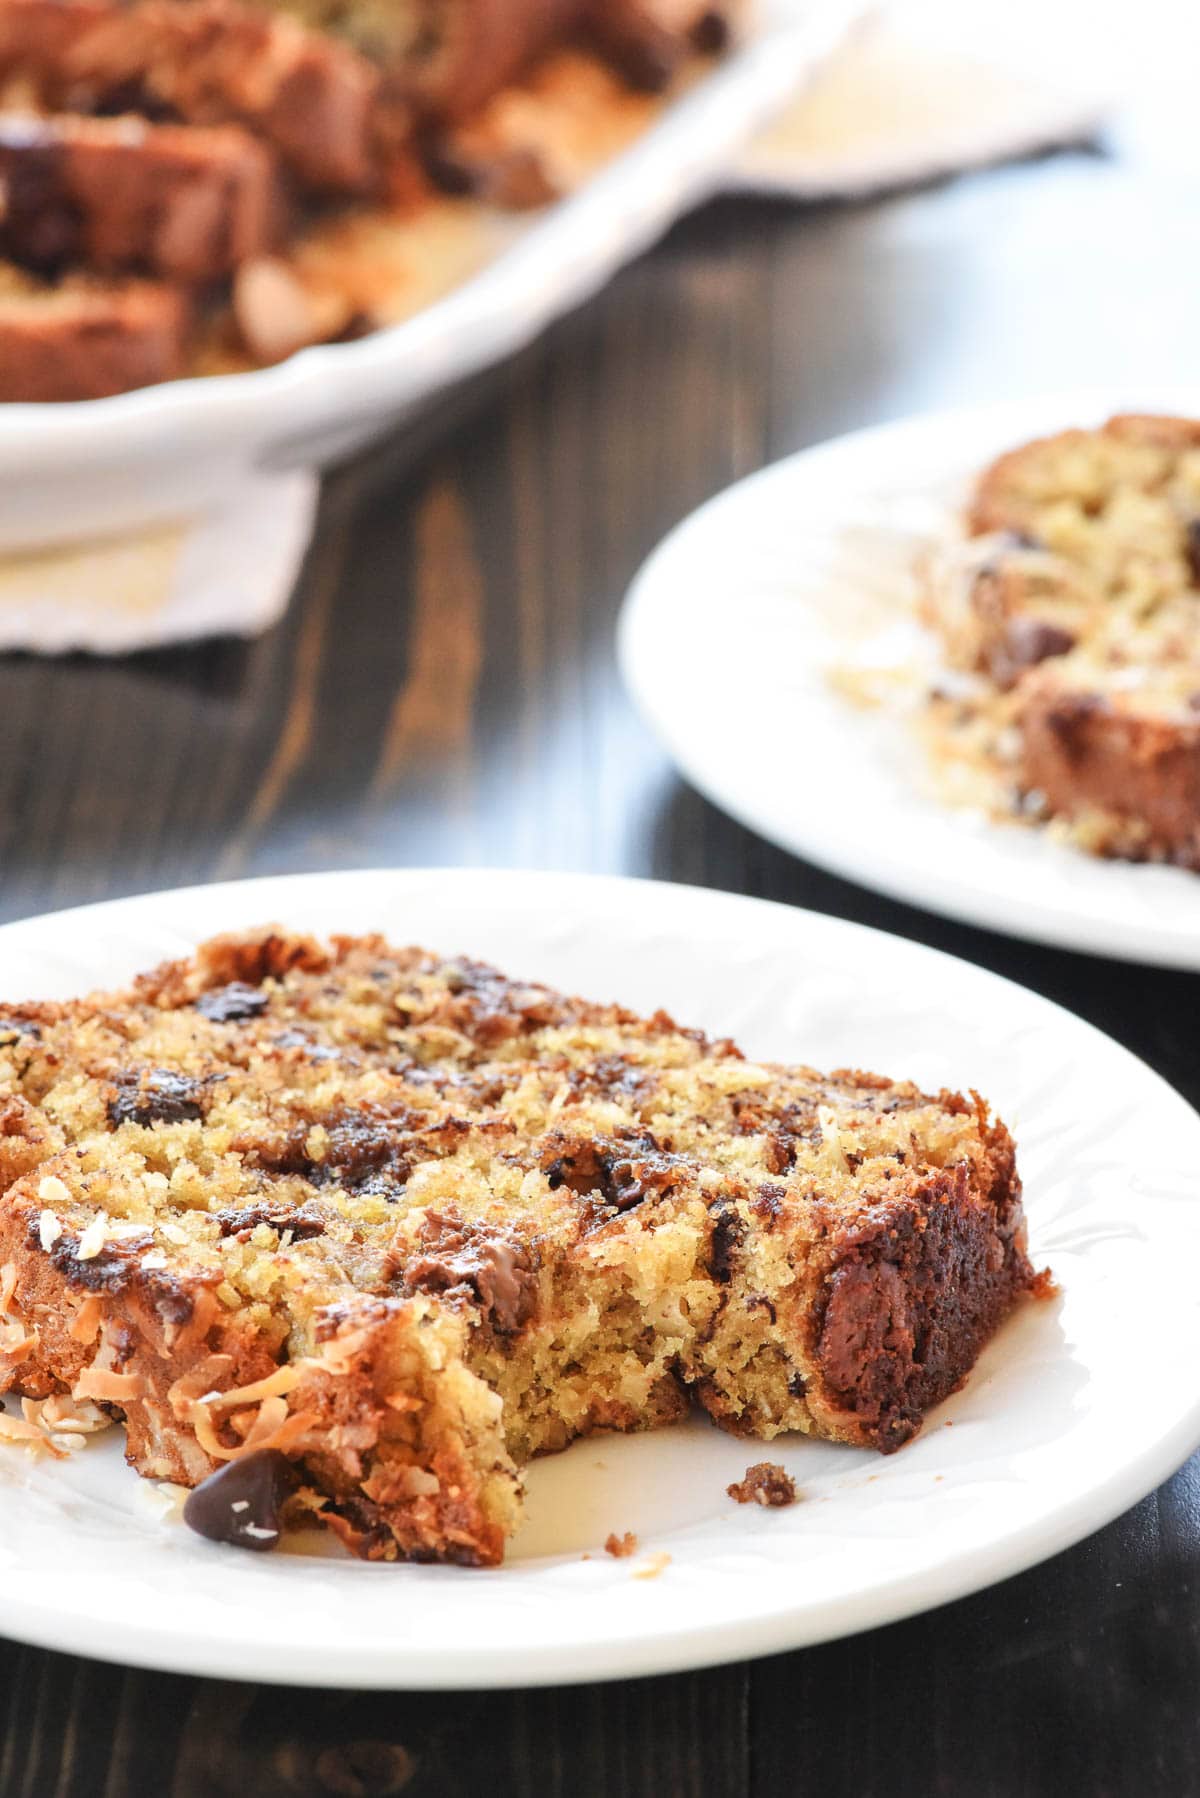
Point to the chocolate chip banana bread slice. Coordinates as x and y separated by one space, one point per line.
1078 603
86 338
409 1223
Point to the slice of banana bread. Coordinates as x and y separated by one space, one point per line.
86 338
411 1223
1079 603
118 194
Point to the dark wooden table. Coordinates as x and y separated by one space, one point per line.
444 691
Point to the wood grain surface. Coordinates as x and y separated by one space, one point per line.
444 690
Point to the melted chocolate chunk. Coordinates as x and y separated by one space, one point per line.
451 172
40 226
1031 640
304 1221
155 1096
380 1184
498 1273
711 32
728 1231
621 1173
230 1004
241 1502
359 1147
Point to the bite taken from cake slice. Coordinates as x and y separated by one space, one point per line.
408 1224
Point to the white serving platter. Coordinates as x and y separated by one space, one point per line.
103 466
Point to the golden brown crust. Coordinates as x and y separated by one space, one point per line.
1142 773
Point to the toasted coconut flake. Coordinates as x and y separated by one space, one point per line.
49 1228
85 1325
18 1429
402 1401
8 1285
339 1354
198 1380
15 1343
274 1428
275 1385
92 1240
105 1383
52 1191
81 1417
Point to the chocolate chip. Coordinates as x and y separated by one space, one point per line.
711 32
41 226
229 1004
451 172
499 1274
12 1028
622 1174
379 1184
1026 642
728 1231
240 1503
1192 550
156 1096
646 60
304 1221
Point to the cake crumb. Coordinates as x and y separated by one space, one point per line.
620 1546
1045 1286
652 1567
766 1483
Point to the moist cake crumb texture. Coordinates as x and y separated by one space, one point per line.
401 1224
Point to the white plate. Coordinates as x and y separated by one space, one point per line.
733 627
1057 1431
106 465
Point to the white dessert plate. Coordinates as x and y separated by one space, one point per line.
735 632
1022 1462
103 466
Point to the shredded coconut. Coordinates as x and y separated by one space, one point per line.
53 1191
92 1240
